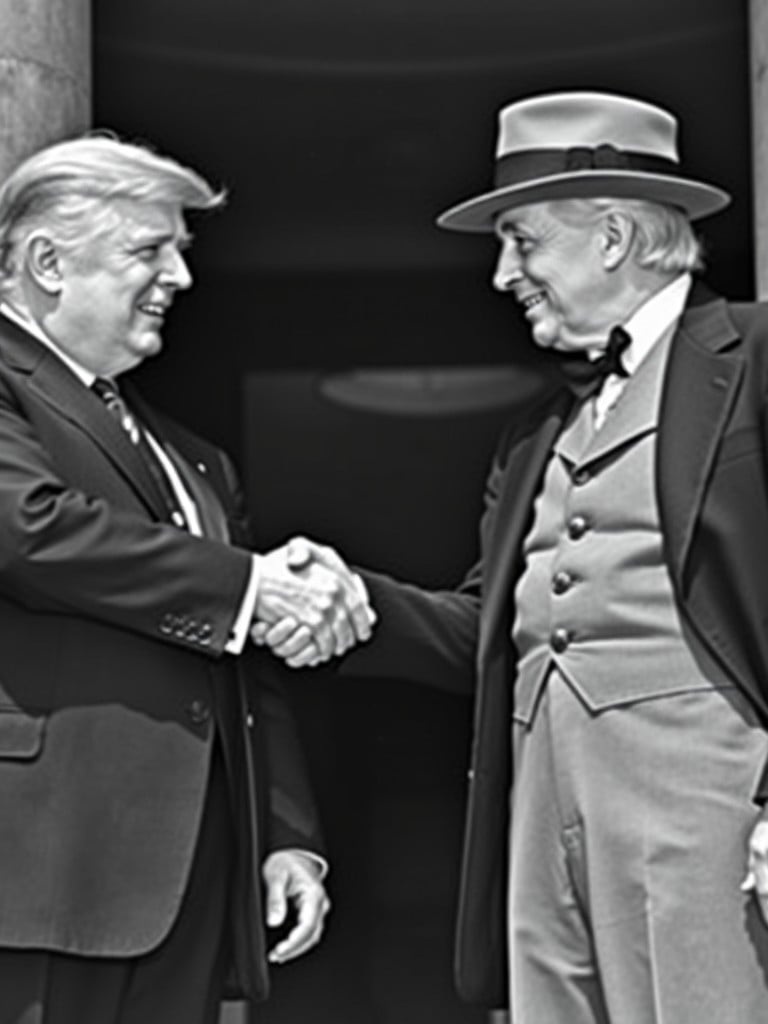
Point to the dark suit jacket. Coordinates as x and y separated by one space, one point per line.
712 483
114 681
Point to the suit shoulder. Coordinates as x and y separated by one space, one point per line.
749 318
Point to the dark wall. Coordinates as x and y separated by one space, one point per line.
341 129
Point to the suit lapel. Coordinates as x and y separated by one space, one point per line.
194 473
213 519
53 382
702 379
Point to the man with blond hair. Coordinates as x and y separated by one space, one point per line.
616 620
148 764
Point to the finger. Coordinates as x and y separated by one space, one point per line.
343 633
313 905
295 643
298 552
322 634
362 615
308 658
279 632
320 616
344 604
363 618
259 632
277 902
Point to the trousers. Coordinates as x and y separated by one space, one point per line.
628 845
179 982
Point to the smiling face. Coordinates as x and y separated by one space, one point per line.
556 268
114 290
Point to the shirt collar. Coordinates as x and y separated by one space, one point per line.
86 376
653 319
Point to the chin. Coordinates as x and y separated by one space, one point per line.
544 336
149 345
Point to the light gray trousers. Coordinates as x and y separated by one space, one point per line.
628 847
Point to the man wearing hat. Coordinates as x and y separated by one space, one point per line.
618 616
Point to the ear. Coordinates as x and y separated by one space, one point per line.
43 263
617 237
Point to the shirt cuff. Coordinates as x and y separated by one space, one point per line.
320 862
239 632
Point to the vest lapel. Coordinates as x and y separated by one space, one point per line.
514 508
637 410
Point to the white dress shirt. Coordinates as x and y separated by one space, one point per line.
645 327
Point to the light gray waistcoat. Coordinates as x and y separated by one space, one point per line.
595 600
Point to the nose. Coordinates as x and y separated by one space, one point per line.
508 270
175 272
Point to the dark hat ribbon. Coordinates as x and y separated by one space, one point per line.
521 166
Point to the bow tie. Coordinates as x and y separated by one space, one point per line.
585 377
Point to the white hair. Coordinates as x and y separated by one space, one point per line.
664 238
70 187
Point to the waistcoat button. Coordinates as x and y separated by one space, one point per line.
581 477
559 640
561 582
577 527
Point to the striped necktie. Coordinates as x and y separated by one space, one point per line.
109 393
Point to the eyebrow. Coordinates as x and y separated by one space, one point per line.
150 237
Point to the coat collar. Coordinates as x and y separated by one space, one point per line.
705 362
520 483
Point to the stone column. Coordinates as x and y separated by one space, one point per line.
758 40
45 74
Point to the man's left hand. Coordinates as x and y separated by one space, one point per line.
757 864
293 877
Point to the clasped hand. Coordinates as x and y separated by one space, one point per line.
310 605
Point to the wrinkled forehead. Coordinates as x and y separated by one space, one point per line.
531 217
129 215
123 222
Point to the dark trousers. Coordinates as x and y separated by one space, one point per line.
179 982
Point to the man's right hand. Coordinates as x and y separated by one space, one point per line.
310 605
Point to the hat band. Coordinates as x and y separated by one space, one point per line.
527 165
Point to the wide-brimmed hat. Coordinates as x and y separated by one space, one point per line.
576 145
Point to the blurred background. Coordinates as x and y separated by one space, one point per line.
356 362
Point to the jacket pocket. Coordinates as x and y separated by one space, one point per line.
21 734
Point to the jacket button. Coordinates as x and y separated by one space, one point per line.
562 582
577 527
560 640
198 711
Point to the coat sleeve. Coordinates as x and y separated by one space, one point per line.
68 547
290 817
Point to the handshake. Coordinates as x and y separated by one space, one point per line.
310 605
